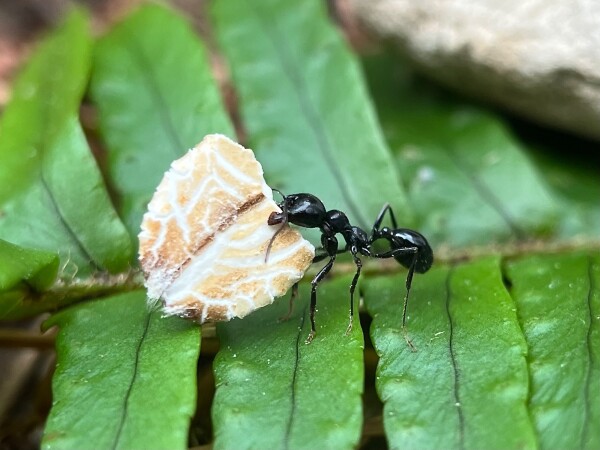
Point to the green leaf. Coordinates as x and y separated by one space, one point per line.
574 183
305 107
469 179
274 391
467 385
36 268
45 95
58 201
125 377
156 99
558 301
23 272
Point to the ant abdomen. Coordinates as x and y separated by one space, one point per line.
403 238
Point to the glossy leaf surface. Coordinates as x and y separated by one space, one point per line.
558 304
156 99
467 385
122 374
274 391
305 107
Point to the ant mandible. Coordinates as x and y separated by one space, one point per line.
408 247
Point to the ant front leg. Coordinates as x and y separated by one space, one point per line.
313 295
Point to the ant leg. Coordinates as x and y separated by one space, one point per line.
294 295
381 215
313 296
291 307
358 263
397 251
409 278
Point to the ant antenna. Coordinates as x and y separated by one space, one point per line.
279 192
283 206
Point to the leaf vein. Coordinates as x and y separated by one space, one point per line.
290 422
456 372
45 137
133 378
61 218
138 55
485 193
507 282
590 355
324 145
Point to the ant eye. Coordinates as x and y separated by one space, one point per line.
201 240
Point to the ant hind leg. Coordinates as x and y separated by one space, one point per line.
409 278
381 216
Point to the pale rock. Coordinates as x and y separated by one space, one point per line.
538 58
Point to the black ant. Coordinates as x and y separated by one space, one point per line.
408 247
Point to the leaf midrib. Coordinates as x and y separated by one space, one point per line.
278 42
147 74
455 371
485 193
45 139
134 375
294 385
588 375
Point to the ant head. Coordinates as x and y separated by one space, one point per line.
277 217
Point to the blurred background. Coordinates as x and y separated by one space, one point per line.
534 64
